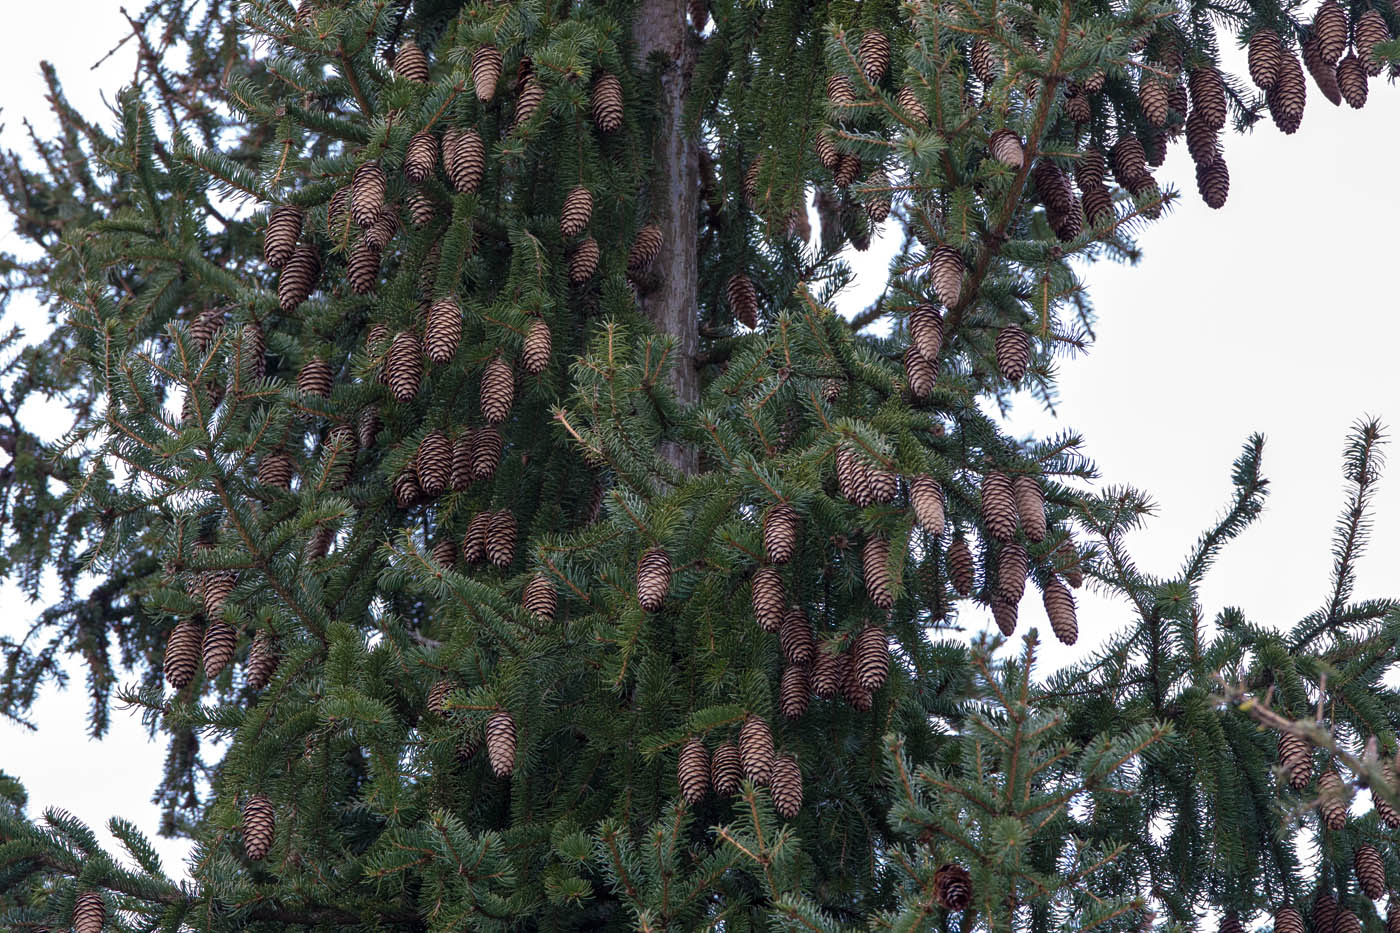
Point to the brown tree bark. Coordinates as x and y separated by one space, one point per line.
664 42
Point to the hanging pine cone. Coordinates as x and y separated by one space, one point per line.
827 153
1129 160
437 696
1091 170
1230 923
583 261
1052 185
445 553
407 492
1078 107
1013 352
1347 922
534 352
531 96
1332 801
486 72
1329 26
433 463
1324 913
926 331
338 213
298 278
846 169
367 427
826 673
927 499
1012 566
220 640
362 269
876 192
946 272
250 360
217 584
576 212
1295 758
884 485
1005 614
874 561
952 887
1098 207
403 366
693 772
1392 916
907 100
962 569
1005 147
280 237
1351 81
182 651
1148 195
275 470
780 533
1202 140
315 378
1370 871
873 54
768 598
743 299
795 637
1152 98
983 61
853 477
1213 182
999 506
540 600
497 390
89 913
1370 31
474 543
1264 57
607 102
1287 95
468 165
725 772
870 658
410 63
699 14
840 92
1387 813
785 786
381 232
919 374
1324 72
420 209
644 250
653 578
367 189
756 750
1207 96
420 159
442 331
262 660
1059 607
1030 507
1069 225
500 743
860 699
462 461
500 538
1288 920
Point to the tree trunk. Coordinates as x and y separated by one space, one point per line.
664 42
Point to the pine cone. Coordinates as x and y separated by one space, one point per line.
1370 871
1332 801
1287 95
1230 923
497 390
1098 207
467 165
946 272
486 72
1392 916
1351 80
262 660
884 485
1148 195
89 913
500 743
952 887
367 427
1005 614
1324 72
442 331
870 658
1005 147
433 463
534 353
531 96
768 598
827 153
908 101
182 650
653 578
860 699
540 600
826 673
743 299
873 54
1370 31
437 696
794 692
298 278
926 331
575 214
474 544
1213 182
500 538
962 569
216 585
1059 606
1202 140
1324 913
874 561
1288 920
1091 170
403 367
407 493
338 214
250 361
927 500
315 378
780 533
699 14
462 461
1347 922
756 750
1207 96
919 374
1384 810
1265 55
410 63
693 772
220 640
445 553
280 237
367 190
362 269
1329 26
1078 107
644 250
1030 507
607 102
1152 98
1013 351
275 470
840 92
1129 160
983 61
583 261
420 159
795 637
1069 225
999 506
1295 758
846 170
785 786
1012 566
725 772
1053 187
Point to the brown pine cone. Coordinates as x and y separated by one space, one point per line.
756 750
540 599
653 578
693 772
406 490
1059 607
946 273
919 374
873 54
795 637
1012 566
497 390
474 543
465 160
220 640
999 506
182 650
870 658
445 553
826 673
583 261
962 569
280 238
926 331
410 63
1013 352
531 96
780 533
576 212
645 249
442 330
1030 506
486 72
299 275
743 299
768 598
1295 758
367 189
262 660
1332 800
1005 614
607 102
534 353
403 366
908 101
500 743
89 913
433 463
952 887
420 158
1288 920
500 538
725 771
1324 913
1370 871
785 786
794 692
1005 146
874 560
926 498
1265 54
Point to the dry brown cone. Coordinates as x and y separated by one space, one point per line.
276 470
1295 758
500 743
1265 54
89 913
280 237
469 162
381 232
1090 170
946 272
583 261
1005 146
576 212
1030 506
1351 81
1230 923
1059 607
693 772
999 506
1005 614
462 461
451 151
250 360
794 691
653 578
500 538
908 101
445 553
474 543
1213 182
743 299
780 533
298 278
1370 31
534 353
1387 813
607 102
531 96
756 750
1324 913
1332 802
1347 922
1288 920
1078 107
442 330
826 673
919 374
1152 98
1324 72
644 249
749 184
1288 95
870 657
433 463
1013 352
952 887
410 63
403 366
1202 140
840 92
1013 563
926 497
1053 187
368 426
315 378
795 637
846 169
338 213
217 584
539 599
874 561
262 660
873 54
1207 96
983 61
827 153
497 390
1392 916
785 786
182 650
420 159
1370 871
487 446
367 193
1144 189
220 640
1129 159
926 331
406 490
962 569
884 485
725 771
1329 26
1098 207
486 72
768 598
831 390
258 826
362 269
437 696
1067 226
853 477
860 699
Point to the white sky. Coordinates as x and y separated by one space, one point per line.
1271 315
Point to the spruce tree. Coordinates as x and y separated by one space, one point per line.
465 439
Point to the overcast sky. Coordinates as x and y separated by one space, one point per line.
1275 314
